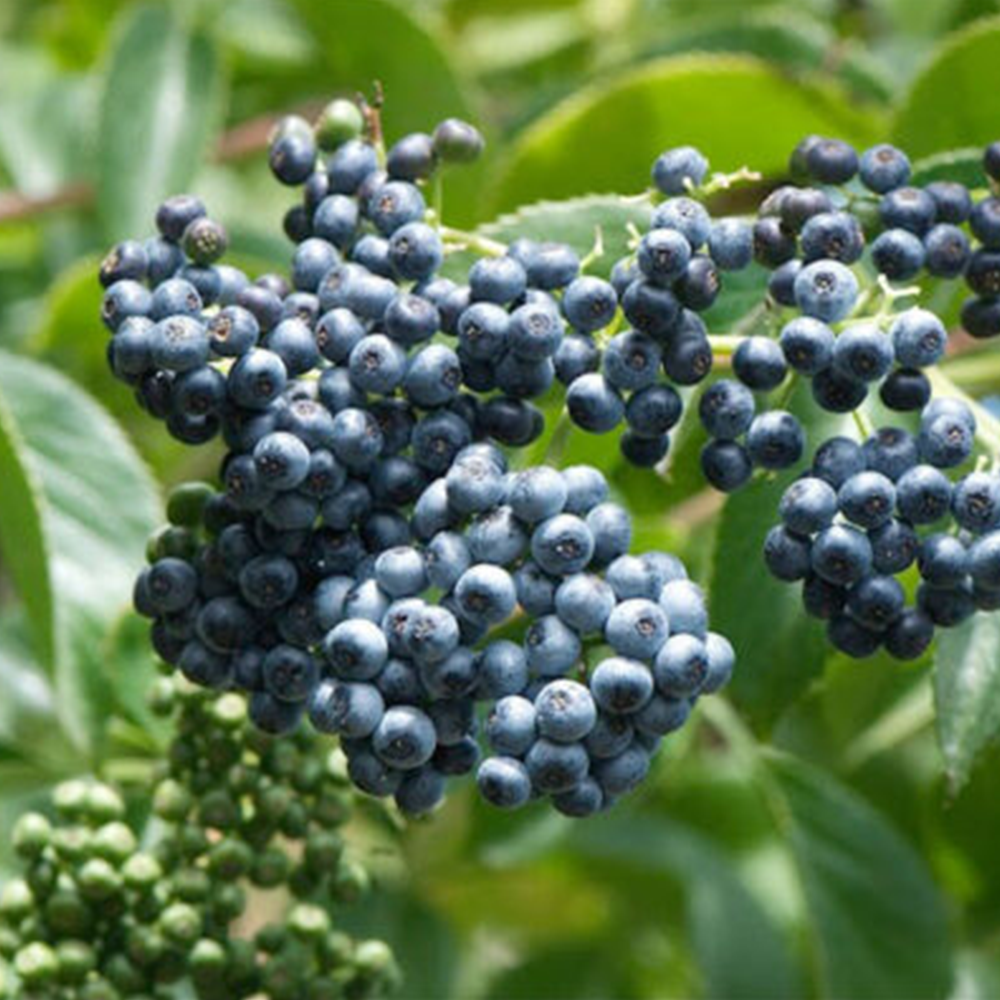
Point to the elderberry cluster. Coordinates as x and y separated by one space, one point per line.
96 916
369 538
392 647
854 223
864 514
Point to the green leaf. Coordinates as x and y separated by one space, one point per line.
82 524
33 90
779 648
575 221
948 105
160 104
735 108
388 42
22 539
783 37
878 923
967 692
962 165
28 700
740 952
129 672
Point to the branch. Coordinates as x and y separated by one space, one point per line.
243 140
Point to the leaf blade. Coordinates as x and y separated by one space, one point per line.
157 112
697 99
879 923
967 693
96 505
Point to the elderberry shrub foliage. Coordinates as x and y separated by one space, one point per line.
484 881
95 913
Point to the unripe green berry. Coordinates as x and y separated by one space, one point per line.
336 767
70 798
171 801
192 885
281 760
142 871
323 852
192 840
336 950
180 923
230 859
99 989
122 974
229 711
340 121
228 902
308 922
98 880
16 901
76 960
241 780
351 882
71 843
332 808
161 699
67 914
103 804
42 878
309 776
208 959
36 964
186 504
373 958
168 541
295 822
31 835
145 946
270 868
456 141
114 842
273 801
271 938
218 810
10 941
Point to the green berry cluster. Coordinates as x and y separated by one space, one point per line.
237 816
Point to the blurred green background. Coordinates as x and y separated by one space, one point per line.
830 829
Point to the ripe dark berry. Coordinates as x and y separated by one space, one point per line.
759 363
884 168
826 290
726 409
676 169
831 161
726 465
775 440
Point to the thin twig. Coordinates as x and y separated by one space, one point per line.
243 140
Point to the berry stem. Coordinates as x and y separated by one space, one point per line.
437 201
596 251
557 443
463 240
863 424
724 345
723 182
